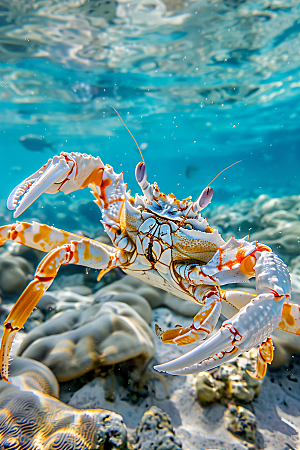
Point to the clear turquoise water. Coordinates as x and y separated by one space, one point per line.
202 84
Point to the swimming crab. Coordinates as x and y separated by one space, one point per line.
166 243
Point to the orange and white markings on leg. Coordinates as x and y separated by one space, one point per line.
290 318
86 252
36 235
203 323
206 320
7 340
264 357
20 312
236 336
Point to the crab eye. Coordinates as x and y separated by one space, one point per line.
188 226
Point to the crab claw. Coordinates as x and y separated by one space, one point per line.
67 173
221 345
252 325
49 178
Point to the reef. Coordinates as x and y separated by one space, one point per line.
156 432
229 382
75 342
272 221
241 422
32 417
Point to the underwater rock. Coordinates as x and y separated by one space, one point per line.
74 342
30 254
80 290
208 388
59 300
241 422
32 417
155 297
156 432
56 301
286 344
229 381
15 273
271 221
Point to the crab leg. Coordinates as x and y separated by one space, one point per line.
70 172
203 323
264 357
250 327
35 235
290 319
85 252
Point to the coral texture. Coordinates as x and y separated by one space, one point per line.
156 432
32 418
229 381
77 341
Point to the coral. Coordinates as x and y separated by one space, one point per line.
208 388
229 382
241 422
272 221
156 432
32 417
74 342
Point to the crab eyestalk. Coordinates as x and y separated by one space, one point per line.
141 178
203 200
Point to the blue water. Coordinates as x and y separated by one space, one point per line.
200 84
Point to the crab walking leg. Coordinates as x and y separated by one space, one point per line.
203 323
85 252
290 318
233 301
36 235
264 357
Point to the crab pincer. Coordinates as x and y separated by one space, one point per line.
250 327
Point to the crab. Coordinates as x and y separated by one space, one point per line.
164 242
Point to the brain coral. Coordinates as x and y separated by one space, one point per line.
31 418
74 342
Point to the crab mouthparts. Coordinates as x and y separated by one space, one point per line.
34 186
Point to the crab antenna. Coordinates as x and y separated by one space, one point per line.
208 192
129 132
224 171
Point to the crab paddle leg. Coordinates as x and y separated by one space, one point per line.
85 252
